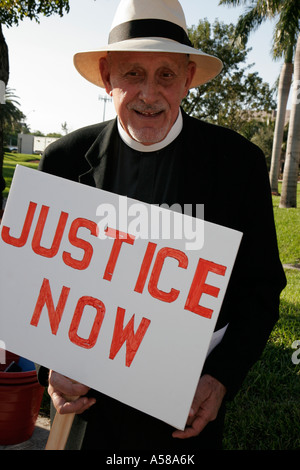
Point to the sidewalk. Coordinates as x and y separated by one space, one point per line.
38 439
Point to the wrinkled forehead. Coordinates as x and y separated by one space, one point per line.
139 57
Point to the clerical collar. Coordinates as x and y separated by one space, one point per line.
173 133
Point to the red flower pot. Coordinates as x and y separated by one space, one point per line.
20 401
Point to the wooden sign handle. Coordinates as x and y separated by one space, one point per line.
60 430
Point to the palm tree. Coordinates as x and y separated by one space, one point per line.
292 160
10 113
287 15
284 87
10 118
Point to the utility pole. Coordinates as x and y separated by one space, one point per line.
105 99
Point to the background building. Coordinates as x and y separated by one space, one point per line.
32 144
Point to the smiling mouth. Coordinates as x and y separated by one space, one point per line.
148 114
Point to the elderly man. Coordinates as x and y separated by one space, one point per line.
155 153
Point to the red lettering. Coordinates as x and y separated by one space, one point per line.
120 237
121 334
36 246
79 243
156 272
100 312
198 287
45 298
140 283
21 241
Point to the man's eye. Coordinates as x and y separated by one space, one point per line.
133 73
167 75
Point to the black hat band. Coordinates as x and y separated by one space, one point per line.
148 28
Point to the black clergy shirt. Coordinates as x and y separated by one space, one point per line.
151 177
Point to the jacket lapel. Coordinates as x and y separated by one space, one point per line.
199 167
207 179
97 155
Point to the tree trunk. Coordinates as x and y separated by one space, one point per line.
4 73
283 94
291 166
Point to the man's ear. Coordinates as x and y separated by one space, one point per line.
105 74
191 70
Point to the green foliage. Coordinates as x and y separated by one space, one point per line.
286 14
287 28
11 115
236 95
53 134
263 138
12 12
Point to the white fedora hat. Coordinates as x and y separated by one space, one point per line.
149 26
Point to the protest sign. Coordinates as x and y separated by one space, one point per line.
88 290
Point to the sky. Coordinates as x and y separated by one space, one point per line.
50 90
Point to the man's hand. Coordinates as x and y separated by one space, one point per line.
62 392
207 401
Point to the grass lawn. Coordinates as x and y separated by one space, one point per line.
10 162
265 415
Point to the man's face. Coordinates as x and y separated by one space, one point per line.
147 90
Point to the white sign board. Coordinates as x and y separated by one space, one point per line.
87 290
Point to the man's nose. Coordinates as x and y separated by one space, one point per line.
149 90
